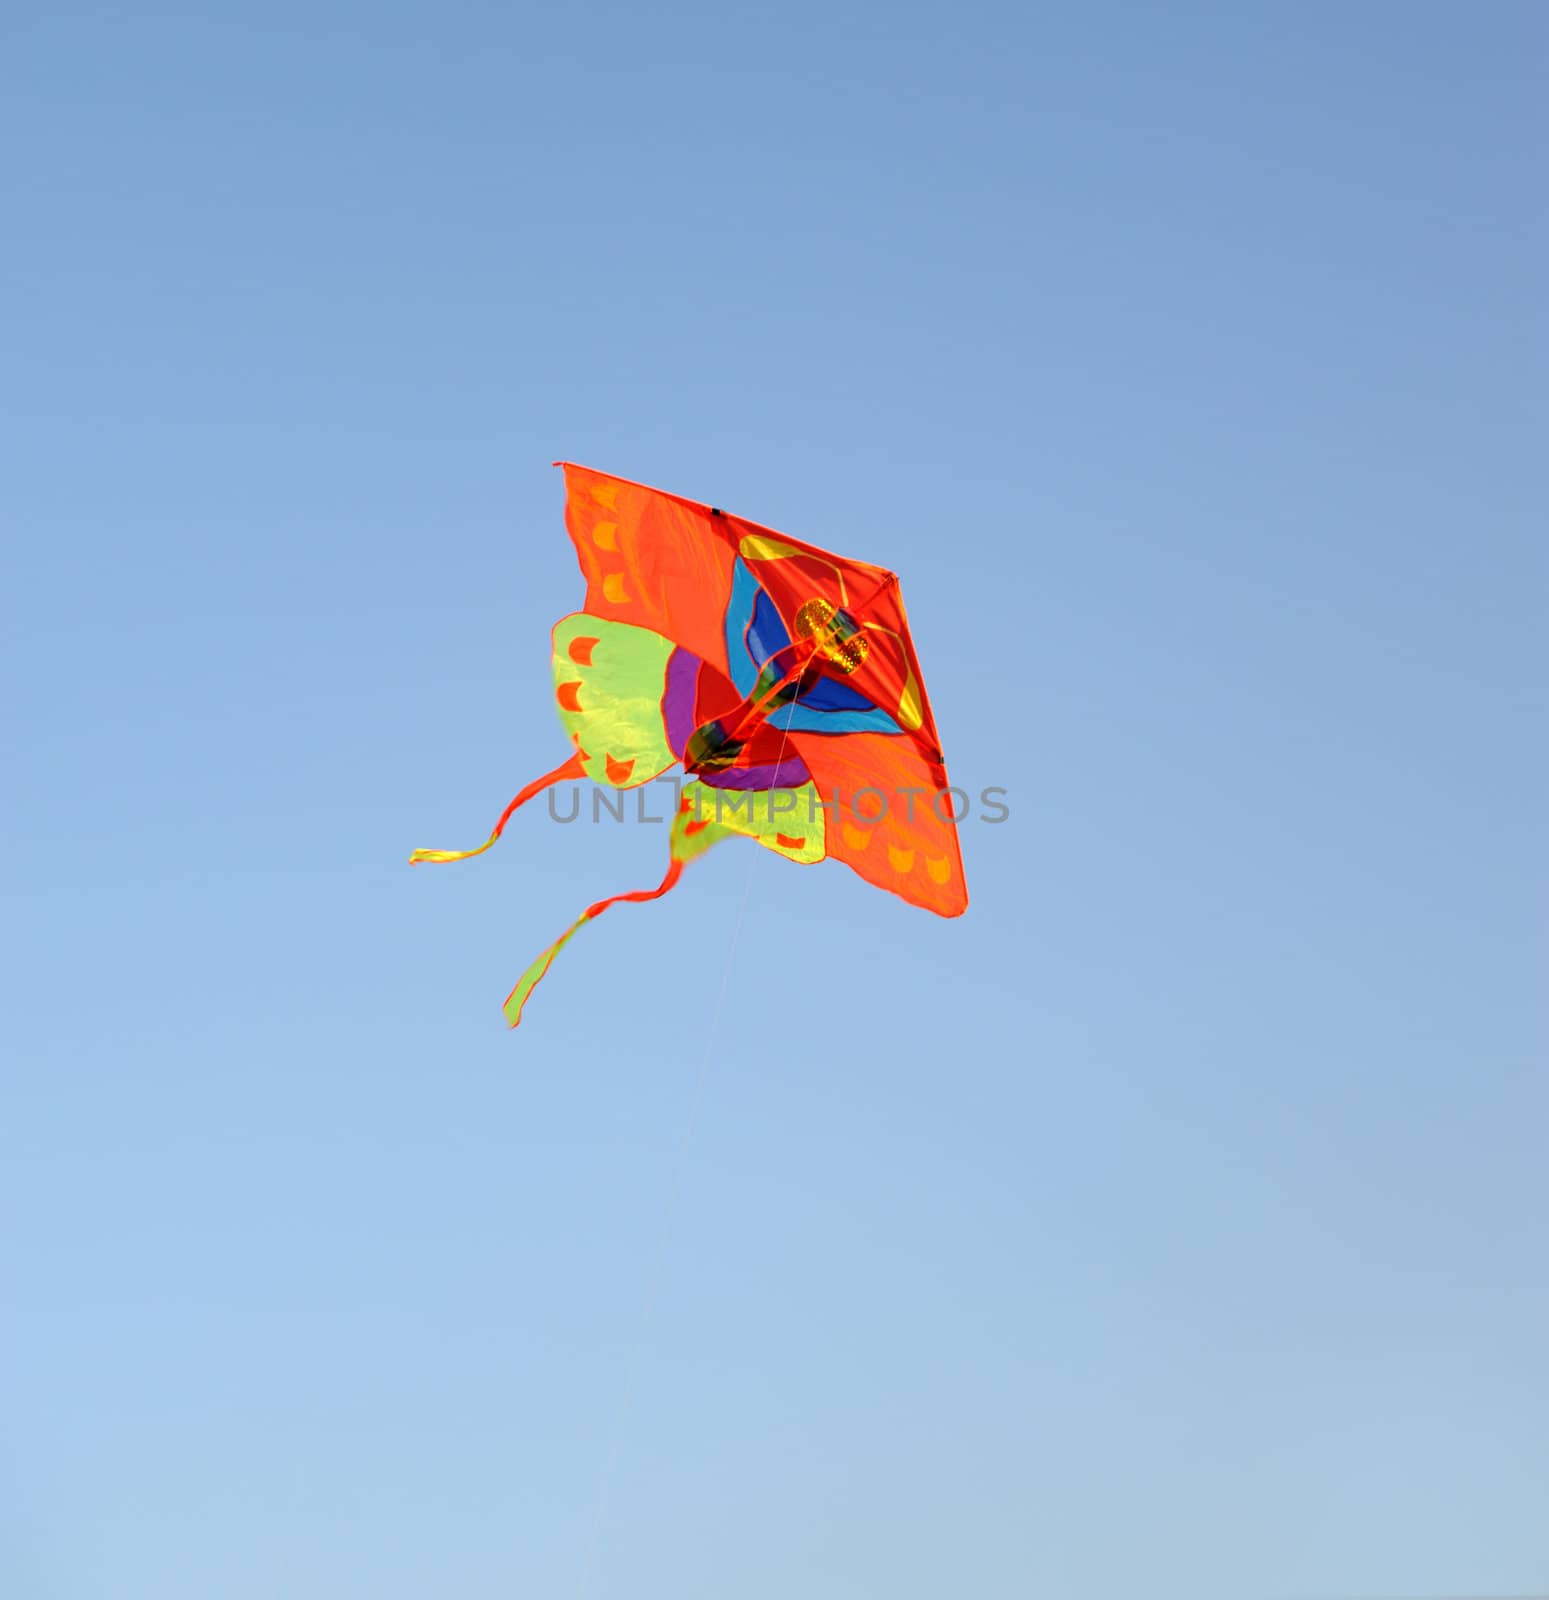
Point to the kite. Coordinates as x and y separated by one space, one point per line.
780 677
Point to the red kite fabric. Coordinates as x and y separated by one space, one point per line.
782 679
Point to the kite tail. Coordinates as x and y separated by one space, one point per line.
691 837
530 979
573 768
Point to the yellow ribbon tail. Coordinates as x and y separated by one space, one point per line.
573 768
530 979
420 857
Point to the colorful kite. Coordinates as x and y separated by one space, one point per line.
782 679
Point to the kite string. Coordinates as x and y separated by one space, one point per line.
659 1249
669 1217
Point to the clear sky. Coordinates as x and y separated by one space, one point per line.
1173 1223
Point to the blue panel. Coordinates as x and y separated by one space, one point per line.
802 719
754 632
827 694
739 614
766 632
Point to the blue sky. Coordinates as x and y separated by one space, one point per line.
1173 1222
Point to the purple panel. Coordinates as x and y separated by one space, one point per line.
678 701
790 774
